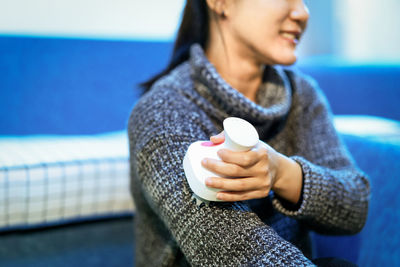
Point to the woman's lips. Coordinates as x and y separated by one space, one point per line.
291 36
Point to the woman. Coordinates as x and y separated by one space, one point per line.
223 65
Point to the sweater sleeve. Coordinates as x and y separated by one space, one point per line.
218 234
335 192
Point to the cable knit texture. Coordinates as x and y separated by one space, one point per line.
292 116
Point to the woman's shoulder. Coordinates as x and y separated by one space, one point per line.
167 93
168 108
178 78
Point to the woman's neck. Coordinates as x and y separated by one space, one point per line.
235 67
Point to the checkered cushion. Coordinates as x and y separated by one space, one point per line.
46 180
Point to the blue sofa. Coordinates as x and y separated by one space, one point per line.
85 87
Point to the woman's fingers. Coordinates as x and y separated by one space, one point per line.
218 139
248 172
238 184
241 196
238 164
224 169
244 159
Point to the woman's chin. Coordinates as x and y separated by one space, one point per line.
287 60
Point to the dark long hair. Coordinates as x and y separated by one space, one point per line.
193 29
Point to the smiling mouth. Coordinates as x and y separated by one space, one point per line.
293 37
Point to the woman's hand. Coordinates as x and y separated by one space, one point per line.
252 174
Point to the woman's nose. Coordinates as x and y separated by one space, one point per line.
300 12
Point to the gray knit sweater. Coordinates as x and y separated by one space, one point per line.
292 116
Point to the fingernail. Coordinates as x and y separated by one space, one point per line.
209 181
204 161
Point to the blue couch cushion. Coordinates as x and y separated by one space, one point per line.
72 86
78 86
358 89
378 242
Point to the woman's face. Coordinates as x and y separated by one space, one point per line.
266 31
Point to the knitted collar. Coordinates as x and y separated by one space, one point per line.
222 101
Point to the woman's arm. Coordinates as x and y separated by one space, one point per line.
217 234
320 178
335 191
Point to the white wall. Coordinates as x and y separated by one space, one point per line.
370 29
122 19
355 30
320 35
358 30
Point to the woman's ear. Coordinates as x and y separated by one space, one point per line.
217 6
